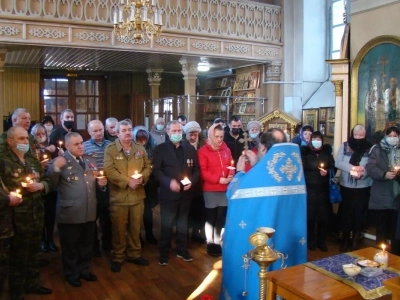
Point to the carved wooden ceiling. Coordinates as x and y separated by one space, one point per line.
29 56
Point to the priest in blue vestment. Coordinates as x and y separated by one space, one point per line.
271 194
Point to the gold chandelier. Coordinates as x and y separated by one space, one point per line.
136 18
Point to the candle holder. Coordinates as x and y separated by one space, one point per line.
263 255
17 193
382 258
186 181
136 175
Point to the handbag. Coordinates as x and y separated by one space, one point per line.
334 193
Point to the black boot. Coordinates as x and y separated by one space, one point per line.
345 243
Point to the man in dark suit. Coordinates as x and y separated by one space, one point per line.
75 175
173 161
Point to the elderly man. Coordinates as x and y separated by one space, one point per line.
20 170
173 161
75 176
95 148
195 137
58 135
128 168
110 133
262 198
20 117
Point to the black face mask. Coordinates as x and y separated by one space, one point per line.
235 131
68 124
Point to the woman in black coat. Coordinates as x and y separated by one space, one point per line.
317 161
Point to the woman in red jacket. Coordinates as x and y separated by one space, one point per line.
214 159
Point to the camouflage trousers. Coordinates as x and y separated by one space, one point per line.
4 258
24 253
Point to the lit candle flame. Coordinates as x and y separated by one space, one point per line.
101 173
17 191
383 247
322 165
232 163
44 156
60 143
28 179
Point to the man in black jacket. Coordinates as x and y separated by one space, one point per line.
174 161
57 137
233 138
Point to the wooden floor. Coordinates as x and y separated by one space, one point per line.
175 281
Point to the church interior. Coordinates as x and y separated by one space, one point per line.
332 64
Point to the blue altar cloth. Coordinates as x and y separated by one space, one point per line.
368 287
272 194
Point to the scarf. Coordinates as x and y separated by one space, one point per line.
211 137
360 147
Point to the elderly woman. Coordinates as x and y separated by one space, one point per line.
254 129
383 167
354 186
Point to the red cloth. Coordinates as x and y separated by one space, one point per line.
248 166
213 165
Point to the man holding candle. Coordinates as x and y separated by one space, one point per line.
95 148
16 164
172 162
76 184
121 159
58 135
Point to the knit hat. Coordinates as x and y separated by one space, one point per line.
254 124
47 119
191 126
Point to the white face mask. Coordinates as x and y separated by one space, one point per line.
316 144
392 140
48 127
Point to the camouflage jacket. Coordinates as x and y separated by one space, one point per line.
14 173
6 228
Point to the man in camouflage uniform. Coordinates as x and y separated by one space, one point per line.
20 117
6 229
16 165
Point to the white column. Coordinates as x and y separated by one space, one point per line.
189 71
338 115
154 83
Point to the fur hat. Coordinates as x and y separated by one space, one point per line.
253 124
47 119
191 127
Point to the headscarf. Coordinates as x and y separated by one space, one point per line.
306 127
359 146
211 136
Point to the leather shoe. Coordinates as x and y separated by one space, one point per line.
116 267
40 290
138 261
75 282
44 247
89 277
52 246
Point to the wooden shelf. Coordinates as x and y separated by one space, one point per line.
245 90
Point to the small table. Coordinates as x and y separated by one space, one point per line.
302 282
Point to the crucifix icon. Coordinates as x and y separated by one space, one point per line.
383 61
246 141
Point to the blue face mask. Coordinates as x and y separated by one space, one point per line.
160 127
316 144
22 148
254 135
175 138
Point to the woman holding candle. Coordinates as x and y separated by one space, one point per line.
50 199
382 167
354 186
317 161
214 159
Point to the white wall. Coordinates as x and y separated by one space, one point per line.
305 51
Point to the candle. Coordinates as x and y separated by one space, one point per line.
16 193
231 167
28 180
321 167
136 175
44 158
353 171
101 175
60 143
382 257
232 163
